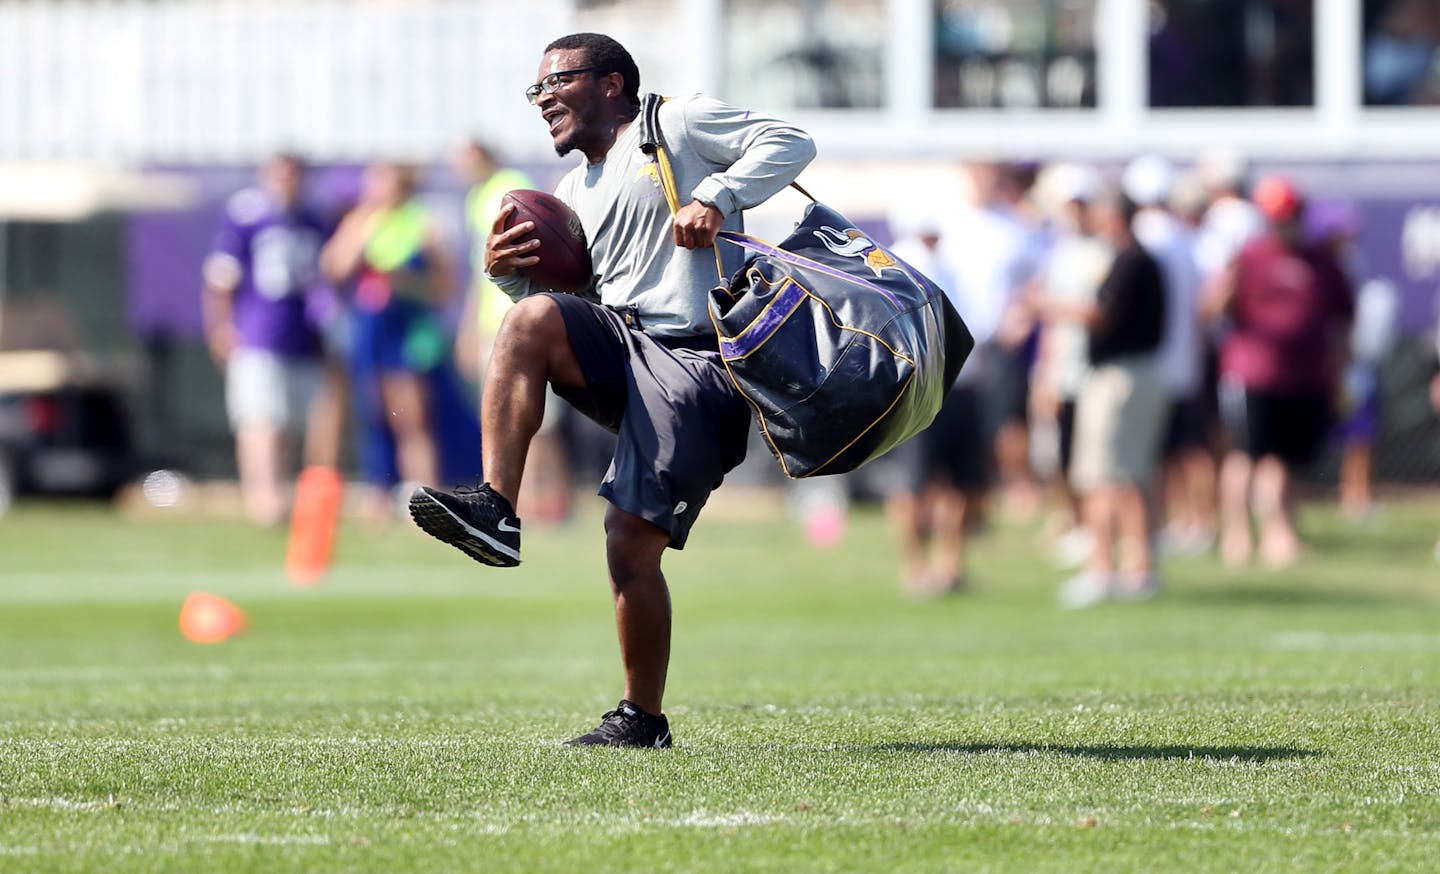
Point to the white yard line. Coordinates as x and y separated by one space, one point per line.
266 840
1324 641
108 586
740 818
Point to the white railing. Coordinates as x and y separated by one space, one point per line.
128 81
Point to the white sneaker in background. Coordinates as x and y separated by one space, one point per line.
1086 589
1143 588
1073 548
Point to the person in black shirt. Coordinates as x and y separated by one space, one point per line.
1118 416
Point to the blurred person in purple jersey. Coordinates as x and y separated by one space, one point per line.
1435 404
1335 225
263 302
389 245
1287 304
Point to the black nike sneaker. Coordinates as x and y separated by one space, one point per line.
627 726
479 522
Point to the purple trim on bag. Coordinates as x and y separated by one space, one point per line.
800 260
766 324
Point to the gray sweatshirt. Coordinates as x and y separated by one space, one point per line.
730 158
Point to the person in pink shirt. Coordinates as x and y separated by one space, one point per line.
1288 305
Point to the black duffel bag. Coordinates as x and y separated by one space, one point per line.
843 350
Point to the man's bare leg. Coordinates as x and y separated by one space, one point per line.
1235 475
1279 542
633 549
261 459
532 348
406 399
902 509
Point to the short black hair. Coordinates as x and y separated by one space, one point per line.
289 156
607 54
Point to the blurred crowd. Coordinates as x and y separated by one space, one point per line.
1160 348
360 327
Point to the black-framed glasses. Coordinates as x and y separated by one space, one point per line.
554 81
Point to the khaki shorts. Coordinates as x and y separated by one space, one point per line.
1119 416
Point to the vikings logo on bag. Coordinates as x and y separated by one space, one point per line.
852 243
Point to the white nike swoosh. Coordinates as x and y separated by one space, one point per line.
506 526
495 544
660 741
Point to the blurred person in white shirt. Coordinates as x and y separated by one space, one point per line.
943 472
1071 274
994 250
1231 220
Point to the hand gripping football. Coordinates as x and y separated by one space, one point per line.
563 253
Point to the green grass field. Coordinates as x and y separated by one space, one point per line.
405 716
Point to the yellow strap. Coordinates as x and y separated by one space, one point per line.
667 180
672 194
672 197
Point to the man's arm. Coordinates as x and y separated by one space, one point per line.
222 271
217 307
760 154
342 255
1219 293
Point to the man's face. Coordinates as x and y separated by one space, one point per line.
575 111
283 180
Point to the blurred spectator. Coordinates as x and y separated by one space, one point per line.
1231 220
485 305
1335 225
993 252
261 307
1287 302
390 246
545 494
1119 416
1400 54
945 467
1187 481
1067 282
1435 404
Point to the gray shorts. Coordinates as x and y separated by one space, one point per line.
265 388
680 424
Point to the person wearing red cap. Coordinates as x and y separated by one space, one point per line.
1287 303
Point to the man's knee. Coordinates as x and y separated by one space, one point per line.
535 331
633 548
535 320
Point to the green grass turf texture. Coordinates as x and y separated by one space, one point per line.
406 715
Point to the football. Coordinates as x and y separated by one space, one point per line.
563 253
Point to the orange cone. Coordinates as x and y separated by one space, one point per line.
312 526
206 618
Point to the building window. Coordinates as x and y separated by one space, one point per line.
1402 52
1015 54
805 53
1227 53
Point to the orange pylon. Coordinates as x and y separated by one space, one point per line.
207 618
